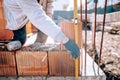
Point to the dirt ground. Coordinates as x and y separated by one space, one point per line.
110 58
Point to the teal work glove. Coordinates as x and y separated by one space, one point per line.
72 48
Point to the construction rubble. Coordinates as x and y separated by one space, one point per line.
110 61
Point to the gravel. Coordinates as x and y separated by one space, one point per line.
110 58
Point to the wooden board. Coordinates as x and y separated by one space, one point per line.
7 64
32 63
61 64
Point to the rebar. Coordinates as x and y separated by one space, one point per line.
85 34
101 44
81 46
81 10
94 40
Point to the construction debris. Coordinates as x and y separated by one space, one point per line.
110 61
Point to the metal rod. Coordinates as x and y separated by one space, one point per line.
94 40
85 34
94 43
81 57
101 45
81 10
76 35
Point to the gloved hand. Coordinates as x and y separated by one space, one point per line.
72 48
14 45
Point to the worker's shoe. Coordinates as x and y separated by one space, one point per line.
72 48
14 45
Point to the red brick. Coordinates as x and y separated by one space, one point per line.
32 63
61 64
7 64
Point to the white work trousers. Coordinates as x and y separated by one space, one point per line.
18 12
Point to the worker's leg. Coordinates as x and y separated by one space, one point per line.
18 39
41 37
20 35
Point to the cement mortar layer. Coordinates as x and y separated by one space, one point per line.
42 47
